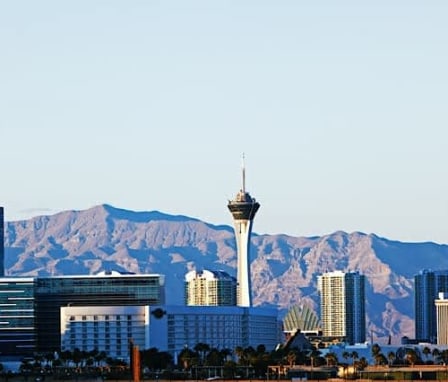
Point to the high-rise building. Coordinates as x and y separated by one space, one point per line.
427 285
441 304
212 288
243 209
342 303
2 243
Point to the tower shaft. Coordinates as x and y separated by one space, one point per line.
243 230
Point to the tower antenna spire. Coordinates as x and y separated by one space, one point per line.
243 169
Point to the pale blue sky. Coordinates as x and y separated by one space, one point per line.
339 106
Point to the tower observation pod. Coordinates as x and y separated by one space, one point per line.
243 209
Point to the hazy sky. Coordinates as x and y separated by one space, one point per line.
341 109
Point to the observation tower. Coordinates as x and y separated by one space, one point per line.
243 209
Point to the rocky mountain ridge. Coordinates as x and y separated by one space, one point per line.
284 269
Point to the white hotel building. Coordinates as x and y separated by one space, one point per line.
167 327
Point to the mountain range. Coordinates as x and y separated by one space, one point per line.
284 269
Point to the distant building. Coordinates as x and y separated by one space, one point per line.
441 304
103 289
243 209
2 242
215 288
427 286
17 316
342 302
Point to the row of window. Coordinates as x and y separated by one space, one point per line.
103 318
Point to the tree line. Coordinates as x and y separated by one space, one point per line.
232 363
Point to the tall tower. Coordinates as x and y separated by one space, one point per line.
243 209
342 302
2 243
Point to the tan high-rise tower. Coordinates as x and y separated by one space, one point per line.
342 304
211 288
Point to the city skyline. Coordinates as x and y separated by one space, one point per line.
340 109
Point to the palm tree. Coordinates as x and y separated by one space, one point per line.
314 354
250 352
77 357
187 358
354 356
100 357
411 356
435 354
345 354
380 359
239 351
260 360
202 348
444 356
65 357
331 358
426 351
214 358
291 358
391 357
225 353
362 363
376 349
49 358
261 349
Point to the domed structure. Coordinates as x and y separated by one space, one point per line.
300 318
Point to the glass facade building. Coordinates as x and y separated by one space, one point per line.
17 316
103 289
427 285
